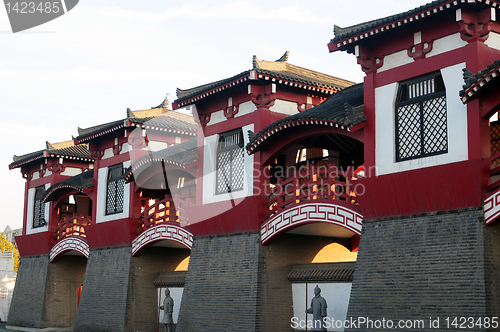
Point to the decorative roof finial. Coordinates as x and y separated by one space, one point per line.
284 57
255 62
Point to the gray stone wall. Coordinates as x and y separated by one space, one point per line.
61 293
275 302
414 268
235 284
142 300
492 269
104 297
28 299
220 293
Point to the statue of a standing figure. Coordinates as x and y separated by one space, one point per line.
318 310
168 308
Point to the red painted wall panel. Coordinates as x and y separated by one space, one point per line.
440 188
245 216
35 244
119 232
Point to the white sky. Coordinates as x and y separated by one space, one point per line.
88 66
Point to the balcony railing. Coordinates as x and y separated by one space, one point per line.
313 183
494 182
156 212
72 226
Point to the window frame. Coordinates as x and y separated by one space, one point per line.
235 147
39 218
439 91
114 180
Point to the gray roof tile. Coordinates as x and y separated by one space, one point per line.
79 151
344 107
181 154
279 69
165 119
171 279
322 272
348 32
78 182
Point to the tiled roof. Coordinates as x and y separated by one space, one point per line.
181 155
322 272
279 69
55 150
345 108
79 182
157 118
474 83
88 132
171 279
358 32
169 120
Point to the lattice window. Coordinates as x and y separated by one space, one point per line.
230 162
495 141
115 190
421 118
39 208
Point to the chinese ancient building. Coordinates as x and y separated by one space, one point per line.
383 193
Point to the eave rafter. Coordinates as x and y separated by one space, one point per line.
213 91
262 138
159 128
255 75
478 86
349 41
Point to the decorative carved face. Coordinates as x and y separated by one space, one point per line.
317 291
167 292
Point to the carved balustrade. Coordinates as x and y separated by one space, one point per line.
72 226
310 182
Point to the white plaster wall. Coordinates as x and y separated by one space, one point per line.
125 148
217 117
493 40
101 216
335 294
71 171
385 154
176 295
31 205
245 108
440 45
156 146
248 107
284 107
395 60
209 173
108 153
445 44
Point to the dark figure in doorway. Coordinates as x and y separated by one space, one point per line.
318 310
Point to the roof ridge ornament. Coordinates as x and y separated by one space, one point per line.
255 62
284 57
130 114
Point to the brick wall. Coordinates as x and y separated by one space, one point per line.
419 267
235 284
492 269
26 308
61 299
275 303
104 297
220 293
142 301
